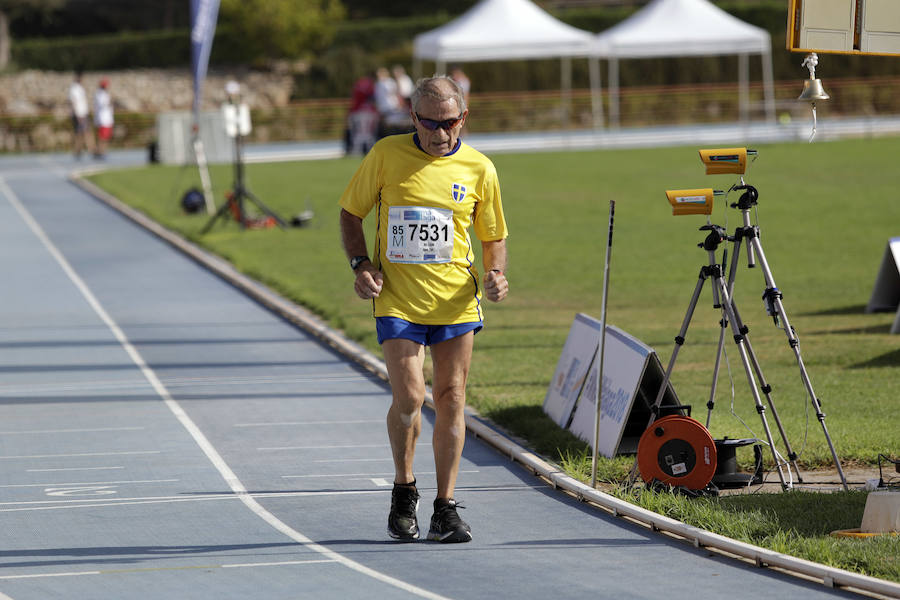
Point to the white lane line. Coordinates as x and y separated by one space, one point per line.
33 506
304 423
350 460
363 475
278 564
151 569
44 387
331 447
71 455
73 469
36 505
39 575
212 454
25 485
381 482
56 431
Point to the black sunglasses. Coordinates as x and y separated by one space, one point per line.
432 125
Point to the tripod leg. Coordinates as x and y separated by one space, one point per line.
223 210
679 342
265 208
767 391
711 403
774 296
732 273
742 350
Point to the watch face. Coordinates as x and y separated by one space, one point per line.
357 260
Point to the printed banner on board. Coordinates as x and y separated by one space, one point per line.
204 14
631 370
625 361
572 369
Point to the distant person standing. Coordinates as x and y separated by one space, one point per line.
393 115
78 103
457 75
103 117
387 100
405 84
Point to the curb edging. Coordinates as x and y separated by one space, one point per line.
315 326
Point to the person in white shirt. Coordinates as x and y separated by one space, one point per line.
405 84
103 117
78 102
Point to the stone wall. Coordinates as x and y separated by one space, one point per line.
33 93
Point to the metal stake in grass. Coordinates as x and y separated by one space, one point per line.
612 212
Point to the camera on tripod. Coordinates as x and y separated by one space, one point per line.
692 202
722 276
726 160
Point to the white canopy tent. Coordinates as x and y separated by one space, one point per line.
509 30
686 28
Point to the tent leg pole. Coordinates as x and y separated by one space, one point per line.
743 87
614 92
768 86
596 98
566 85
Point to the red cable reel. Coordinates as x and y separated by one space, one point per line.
677 451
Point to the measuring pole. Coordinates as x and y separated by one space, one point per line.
612 212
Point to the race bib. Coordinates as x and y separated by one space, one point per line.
418 234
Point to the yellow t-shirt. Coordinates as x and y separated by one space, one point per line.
424 206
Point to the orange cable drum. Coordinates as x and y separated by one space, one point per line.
677 450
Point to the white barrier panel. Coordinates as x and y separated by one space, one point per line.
174 138
631 371
886 295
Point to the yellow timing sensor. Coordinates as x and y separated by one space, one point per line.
692 202
726 160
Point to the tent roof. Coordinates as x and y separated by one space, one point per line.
502 30
681 28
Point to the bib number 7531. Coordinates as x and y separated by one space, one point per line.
419 234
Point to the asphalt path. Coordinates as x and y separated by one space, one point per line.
164 436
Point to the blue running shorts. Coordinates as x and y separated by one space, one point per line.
392 327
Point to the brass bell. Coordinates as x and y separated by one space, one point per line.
813 90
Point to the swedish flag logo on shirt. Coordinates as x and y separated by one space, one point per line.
458 191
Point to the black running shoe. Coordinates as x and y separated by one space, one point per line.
446 526
402 523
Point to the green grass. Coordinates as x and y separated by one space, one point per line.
826 211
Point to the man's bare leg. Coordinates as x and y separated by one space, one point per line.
451 360
404 360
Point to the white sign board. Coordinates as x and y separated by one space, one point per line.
237 119
174 134
886 295
572 369
631 370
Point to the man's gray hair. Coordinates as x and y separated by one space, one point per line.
440 88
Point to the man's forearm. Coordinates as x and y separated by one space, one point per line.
353 237
493 255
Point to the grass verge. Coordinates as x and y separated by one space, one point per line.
826 211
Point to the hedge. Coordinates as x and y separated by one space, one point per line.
361 46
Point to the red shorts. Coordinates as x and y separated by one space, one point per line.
104 133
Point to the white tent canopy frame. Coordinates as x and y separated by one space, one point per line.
510 30
686 28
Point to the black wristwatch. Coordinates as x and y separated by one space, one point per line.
357 260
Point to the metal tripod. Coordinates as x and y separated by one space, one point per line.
722 299
240 193
775 308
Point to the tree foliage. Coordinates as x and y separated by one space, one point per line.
282 28
10 9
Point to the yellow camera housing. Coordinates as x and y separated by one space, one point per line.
725 160
691 202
